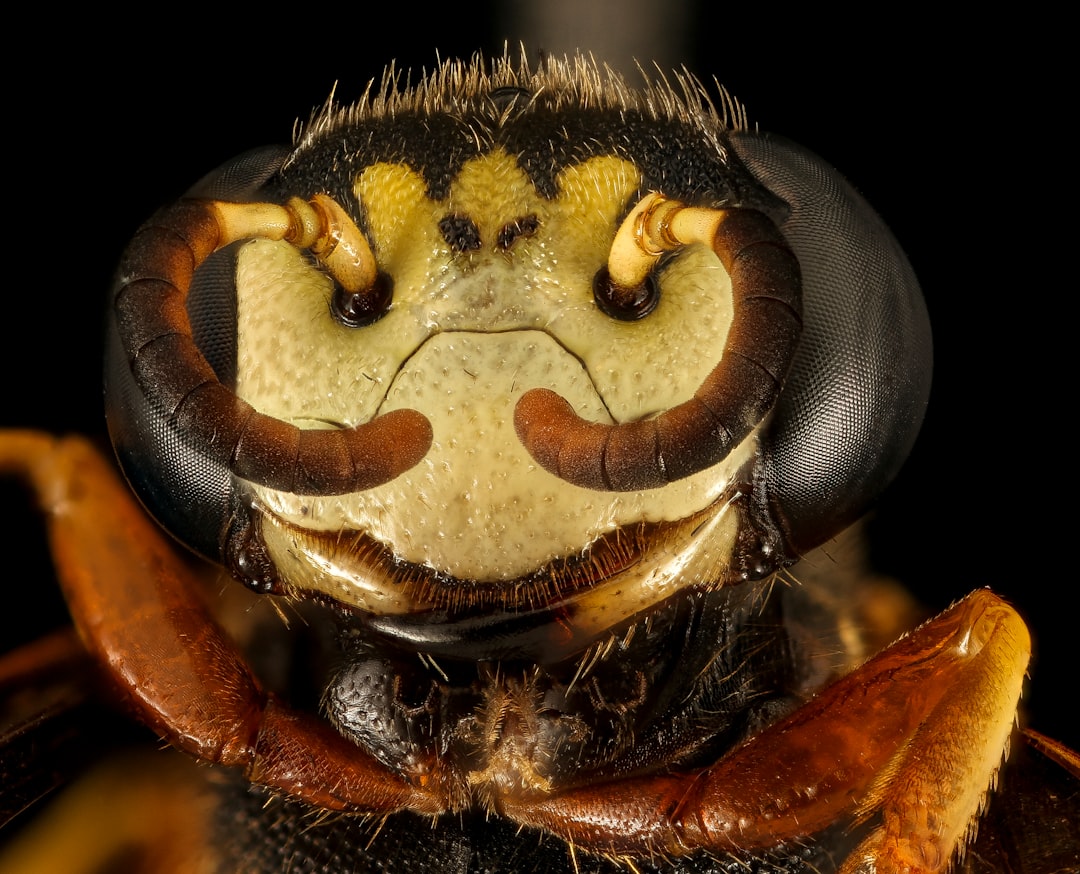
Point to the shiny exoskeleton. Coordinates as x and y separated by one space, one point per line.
523 390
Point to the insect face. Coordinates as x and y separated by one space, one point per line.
524 388
584 295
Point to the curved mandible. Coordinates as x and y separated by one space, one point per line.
736 395
155 334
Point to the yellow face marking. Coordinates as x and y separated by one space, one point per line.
466 335
404 231
492 191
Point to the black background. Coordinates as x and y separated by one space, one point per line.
932 126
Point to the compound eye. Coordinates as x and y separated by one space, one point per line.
860 379
627 304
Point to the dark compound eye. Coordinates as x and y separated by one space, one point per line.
362 308
627 304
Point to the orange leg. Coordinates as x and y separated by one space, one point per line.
139 611
915 736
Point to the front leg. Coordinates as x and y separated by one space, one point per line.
139 611
914 737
